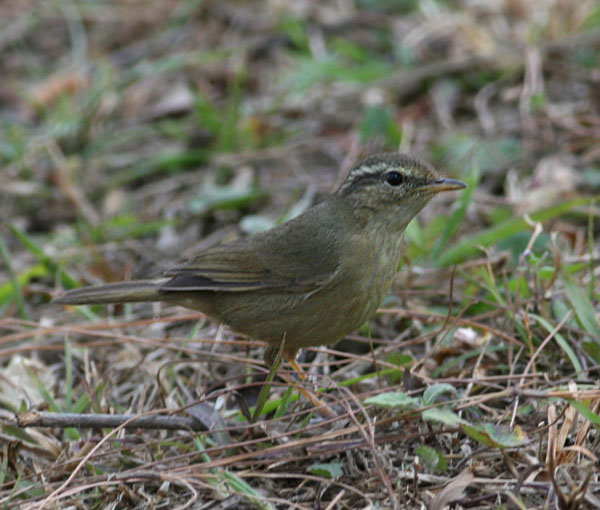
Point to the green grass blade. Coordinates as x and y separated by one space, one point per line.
586 412
457 217
66 279
583 308
286 400
14 281
246 491
560 340
68 377
266 388
7 290
469 245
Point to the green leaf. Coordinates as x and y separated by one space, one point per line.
432 459
432 393
328 470
441 415
393 399
496 437
399 359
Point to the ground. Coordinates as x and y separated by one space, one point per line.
134 134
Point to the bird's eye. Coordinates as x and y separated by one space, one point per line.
394 178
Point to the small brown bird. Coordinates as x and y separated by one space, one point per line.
311 280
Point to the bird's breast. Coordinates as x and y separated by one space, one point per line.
340 306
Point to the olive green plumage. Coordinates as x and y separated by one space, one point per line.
312 279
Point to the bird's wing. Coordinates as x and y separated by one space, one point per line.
248 265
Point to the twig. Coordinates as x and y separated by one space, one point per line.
64 420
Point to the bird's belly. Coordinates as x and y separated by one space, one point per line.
303 320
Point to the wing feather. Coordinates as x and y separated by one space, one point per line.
259 262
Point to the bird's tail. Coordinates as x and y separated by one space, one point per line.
122 292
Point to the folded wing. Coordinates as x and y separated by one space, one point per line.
248 265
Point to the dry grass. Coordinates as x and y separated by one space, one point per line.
132 129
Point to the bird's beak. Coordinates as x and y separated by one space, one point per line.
444 185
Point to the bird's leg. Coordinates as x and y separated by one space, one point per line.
272 352
290 355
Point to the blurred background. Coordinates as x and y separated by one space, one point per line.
135 133
133 130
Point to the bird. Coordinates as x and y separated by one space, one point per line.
306 282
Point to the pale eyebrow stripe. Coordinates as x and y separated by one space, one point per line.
360 180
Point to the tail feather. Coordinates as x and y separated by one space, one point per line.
122 292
